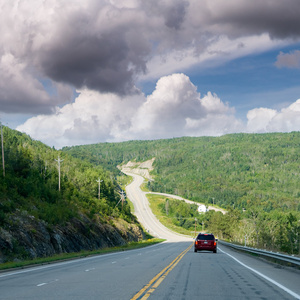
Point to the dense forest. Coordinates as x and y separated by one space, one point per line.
238 170
44 185
254 176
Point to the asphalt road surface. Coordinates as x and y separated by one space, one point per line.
170 270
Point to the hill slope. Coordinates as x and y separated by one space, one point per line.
239 170
39 219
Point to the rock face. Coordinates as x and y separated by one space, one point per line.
27 237
139 168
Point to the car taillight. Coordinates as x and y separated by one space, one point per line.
196 242
215 243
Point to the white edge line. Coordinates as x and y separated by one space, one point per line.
265 277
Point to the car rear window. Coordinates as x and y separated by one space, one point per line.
205 237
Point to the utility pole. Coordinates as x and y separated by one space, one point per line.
3 165
99 181
167 207
122 198
59 161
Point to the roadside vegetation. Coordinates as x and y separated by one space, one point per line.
31 183
175 214
264 231
39 196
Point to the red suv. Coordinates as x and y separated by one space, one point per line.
205 241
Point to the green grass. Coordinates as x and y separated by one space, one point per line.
154 201
144 187
75 255
124 180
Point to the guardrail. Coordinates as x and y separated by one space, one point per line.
289 259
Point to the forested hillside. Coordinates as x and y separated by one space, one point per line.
255 176
39 217
234 170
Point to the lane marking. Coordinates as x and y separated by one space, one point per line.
264 276
87 270
41 284
149 288
45 283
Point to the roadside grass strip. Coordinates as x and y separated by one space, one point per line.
149 288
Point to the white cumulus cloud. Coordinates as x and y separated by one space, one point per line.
174 109
264 120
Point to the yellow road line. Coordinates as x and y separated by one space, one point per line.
149 288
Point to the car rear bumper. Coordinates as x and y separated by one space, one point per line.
206 248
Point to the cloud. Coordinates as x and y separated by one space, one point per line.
259 119
92 118
107 46
264 120
235 18
289 60
100 48
174 109
21 91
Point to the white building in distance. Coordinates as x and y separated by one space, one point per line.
202 208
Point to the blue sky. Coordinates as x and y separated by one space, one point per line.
252 81
108 71
248 82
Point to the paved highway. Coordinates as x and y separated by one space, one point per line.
170 270
166 271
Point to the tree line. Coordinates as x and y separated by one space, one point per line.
275 231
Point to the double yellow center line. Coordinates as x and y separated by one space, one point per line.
149 288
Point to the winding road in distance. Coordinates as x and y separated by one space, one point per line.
169 270
144 214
